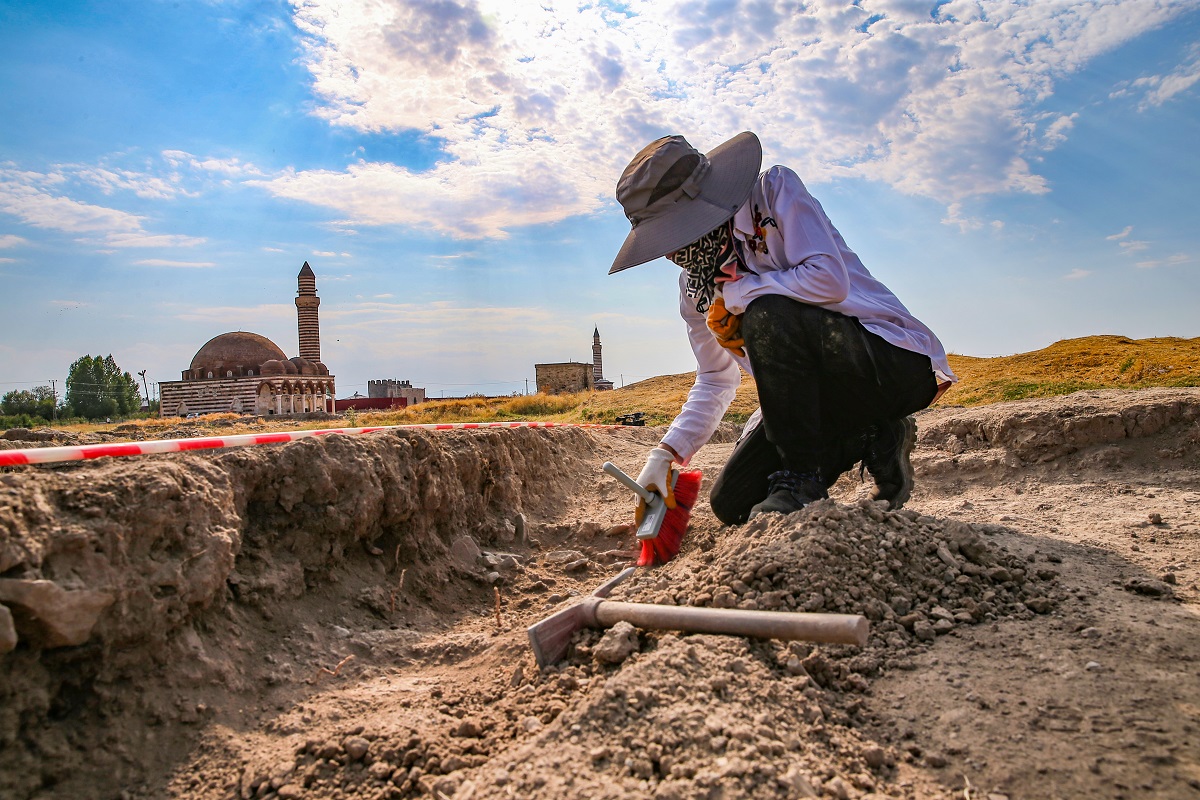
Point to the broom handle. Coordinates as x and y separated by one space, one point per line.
784 625
628 482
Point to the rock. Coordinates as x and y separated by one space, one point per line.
466 551
999 574
935 760
874 756
289 791
836 787
924 631
1040 605
577 566
532 724
1169 577
8 633
356 747
1093 666
1144 586
50 615
468 729
942 627
617 644
1155 519
937 612
564 556
1090 633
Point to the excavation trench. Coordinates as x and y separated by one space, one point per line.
344 616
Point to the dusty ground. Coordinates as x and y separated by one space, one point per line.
345 618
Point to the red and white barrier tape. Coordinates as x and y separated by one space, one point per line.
47 455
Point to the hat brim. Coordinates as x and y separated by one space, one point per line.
734 167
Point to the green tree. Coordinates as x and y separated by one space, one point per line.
96 388
36 403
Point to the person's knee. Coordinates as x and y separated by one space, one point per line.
727 509
762 309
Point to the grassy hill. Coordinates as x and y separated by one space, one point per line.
1092 362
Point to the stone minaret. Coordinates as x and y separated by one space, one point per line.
306 314
597 362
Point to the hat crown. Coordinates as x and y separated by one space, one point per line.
660 174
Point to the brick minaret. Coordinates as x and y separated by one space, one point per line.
306 314
597 362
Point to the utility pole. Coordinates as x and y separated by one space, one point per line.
145 388
527 386
54 391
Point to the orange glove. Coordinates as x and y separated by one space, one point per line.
726 327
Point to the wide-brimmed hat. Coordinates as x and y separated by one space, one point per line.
673 194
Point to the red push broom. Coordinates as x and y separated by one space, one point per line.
661 529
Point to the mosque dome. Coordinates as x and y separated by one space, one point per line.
304 366
236 351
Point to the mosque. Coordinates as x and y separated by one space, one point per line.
246 373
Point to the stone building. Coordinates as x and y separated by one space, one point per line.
564 378
391 387
247 373
570 376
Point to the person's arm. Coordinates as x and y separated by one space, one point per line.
717 379
806 254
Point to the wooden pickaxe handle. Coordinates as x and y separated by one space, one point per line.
783 625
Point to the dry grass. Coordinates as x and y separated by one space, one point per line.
1092 362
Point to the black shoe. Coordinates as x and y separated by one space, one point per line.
790 491
887 459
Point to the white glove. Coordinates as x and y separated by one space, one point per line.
655 475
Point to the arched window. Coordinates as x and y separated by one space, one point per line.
250 372
210 374
228 373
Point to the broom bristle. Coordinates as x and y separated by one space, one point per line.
665 546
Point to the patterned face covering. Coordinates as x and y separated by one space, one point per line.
704 260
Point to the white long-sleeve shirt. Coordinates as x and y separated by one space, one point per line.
790 248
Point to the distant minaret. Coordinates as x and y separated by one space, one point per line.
306 314
597 362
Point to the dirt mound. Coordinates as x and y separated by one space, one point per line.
344 617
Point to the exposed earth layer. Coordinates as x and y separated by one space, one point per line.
345 617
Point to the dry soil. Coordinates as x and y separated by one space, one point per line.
345 617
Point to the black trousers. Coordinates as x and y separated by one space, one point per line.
823 381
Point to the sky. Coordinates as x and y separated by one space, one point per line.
1016 171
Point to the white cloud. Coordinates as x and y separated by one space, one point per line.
232 167
1159 89
1122 235
1076 274
8 260
151 240
161 262
539 106
319 253
1170 261
11 240
954 216
33 198
109 181
235 316
1132 246
25 196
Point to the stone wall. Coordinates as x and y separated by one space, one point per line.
564 378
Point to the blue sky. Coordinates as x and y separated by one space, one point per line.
1017 172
